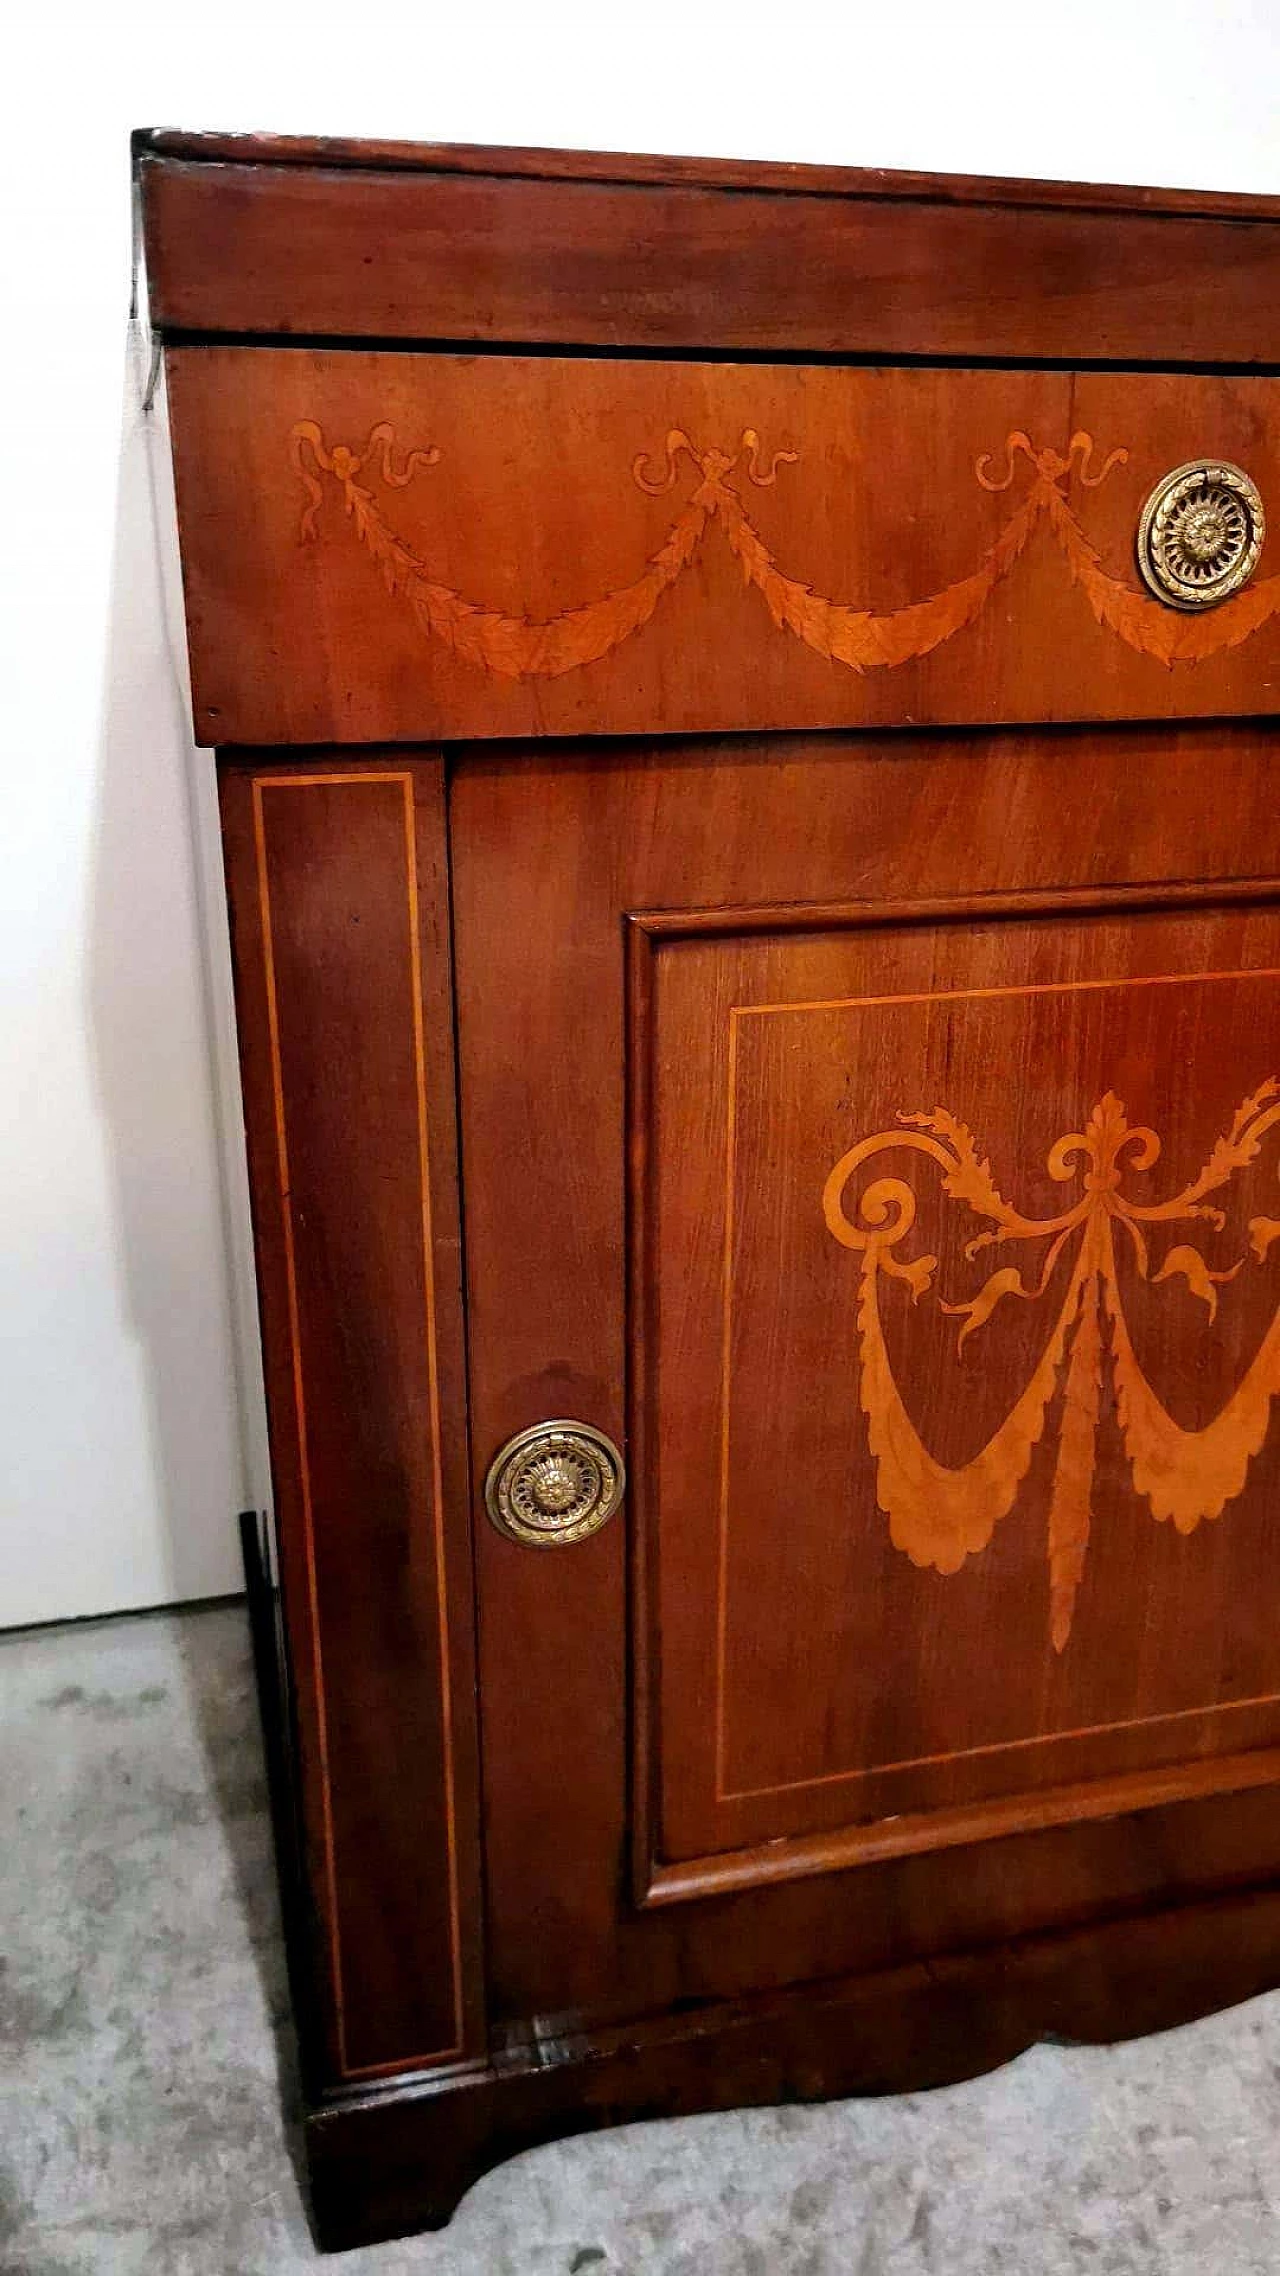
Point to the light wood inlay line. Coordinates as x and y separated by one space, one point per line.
300 1406
433 1381
762 1864
1005 1746
722 1579
1032 988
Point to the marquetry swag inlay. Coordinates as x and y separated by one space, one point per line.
939 1516
520 647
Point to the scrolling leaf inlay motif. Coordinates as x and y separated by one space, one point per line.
938 1515
523 647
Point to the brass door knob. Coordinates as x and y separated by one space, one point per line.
556 1483
1200 534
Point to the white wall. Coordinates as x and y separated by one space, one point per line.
122 1456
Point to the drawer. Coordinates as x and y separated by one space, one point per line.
385 546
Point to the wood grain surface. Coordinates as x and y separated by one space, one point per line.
843 1654
446 546
791 179
340 929
383 2164
608 256
935 1428
753 930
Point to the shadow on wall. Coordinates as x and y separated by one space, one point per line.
156 980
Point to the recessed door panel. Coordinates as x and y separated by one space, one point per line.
963 1338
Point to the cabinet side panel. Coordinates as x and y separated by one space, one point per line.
338 895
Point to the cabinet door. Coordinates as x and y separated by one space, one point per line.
880 1140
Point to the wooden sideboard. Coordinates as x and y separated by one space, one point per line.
743 705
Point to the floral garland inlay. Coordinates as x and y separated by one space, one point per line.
938 1515
522 646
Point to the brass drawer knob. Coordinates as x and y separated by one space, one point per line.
1201 533
554 1484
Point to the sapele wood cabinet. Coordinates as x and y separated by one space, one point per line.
743 703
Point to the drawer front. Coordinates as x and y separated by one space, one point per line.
411 545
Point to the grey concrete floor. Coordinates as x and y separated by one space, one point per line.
142 2021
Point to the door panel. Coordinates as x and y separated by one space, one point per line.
985 1282
1042 910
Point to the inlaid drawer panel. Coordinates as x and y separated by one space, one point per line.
400 545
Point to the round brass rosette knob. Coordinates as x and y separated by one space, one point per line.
1201 533
554 1484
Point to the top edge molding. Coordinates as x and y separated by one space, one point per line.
769 176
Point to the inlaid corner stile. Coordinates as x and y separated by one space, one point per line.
263 786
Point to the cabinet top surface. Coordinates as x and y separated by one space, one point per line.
346 152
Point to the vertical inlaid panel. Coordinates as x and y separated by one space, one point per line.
340 920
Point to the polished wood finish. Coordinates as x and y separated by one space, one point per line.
772 260
445 546
387 2163
543 164
340 930
642 839
801 1042
753 931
